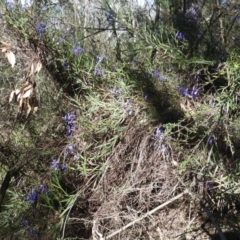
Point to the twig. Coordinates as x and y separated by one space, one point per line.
160 233
146 215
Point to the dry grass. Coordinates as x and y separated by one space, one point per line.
138 178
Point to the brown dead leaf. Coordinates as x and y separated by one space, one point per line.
20 103
32 69
11 58
5 46
38 67
27 93
35 110
27 107
11 96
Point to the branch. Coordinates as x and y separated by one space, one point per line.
12 172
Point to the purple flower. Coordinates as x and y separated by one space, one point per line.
159 132
33 233
32 197
109 17
40 29
44 189
192 12
69 130
78 50
208 186
100 59
194 92
116 91
210 139
55 164
99 72
127 107
157 74
25 223
197 75
63 167
181 36
69 118
66 65
71 147
183 91
146 96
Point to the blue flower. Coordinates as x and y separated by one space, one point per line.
33 233
183 91
181 36
109 17
71 147
100 59
63 167
194 92
157 74
55 164
69 118
40 29
32 197
197 75
192 12
44 189
159 132
208 186
78 50
210 139
99 72
66 65
25 223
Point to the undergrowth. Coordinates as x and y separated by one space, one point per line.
127 108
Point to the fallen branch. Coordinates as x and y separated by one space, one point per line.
146 215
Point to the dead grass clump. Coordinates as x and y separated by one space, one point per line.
138 178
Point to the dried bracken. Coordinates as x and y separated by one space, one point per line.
24 96
5 47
